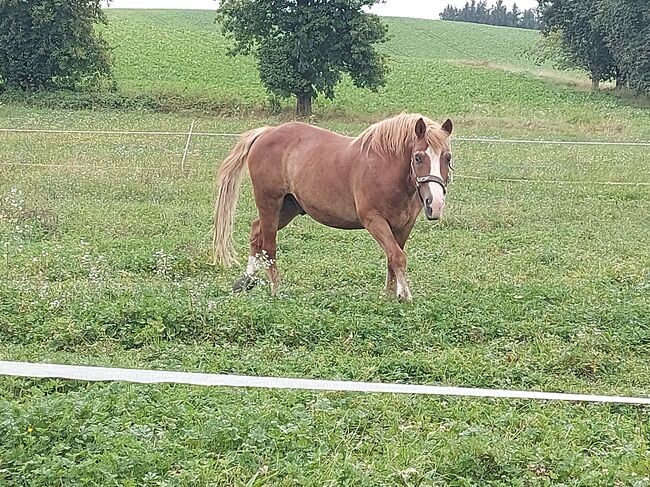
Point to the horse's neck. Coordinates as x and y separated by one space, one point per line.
406 174
403 176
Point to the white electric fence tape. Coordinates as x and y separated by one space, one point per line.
220 134
143 376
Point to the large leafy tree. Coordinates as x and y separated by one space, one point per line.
583 36
303 47
626 24
48 44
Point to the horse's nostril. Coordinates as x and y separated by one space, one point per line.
428 201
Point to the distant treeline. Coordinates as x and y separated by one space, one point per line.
479 13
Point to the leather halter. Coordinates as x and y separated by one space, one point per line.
429 178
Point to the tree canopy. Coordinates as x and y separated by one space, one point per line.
582 35
303 47
626 26
47 44
608 38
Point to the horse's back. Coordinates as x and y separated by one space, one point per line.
304 135
297 145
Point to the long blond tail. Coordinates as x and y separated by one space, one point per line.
229 178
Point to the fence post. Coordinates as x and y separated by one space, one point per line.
187 147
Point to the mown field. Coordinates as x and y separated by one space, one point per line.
522 285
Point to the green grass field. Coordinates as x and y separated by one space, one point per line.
522 285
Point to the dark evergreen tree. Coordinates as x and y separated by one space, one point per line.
529 20
482 12
499 13
514 16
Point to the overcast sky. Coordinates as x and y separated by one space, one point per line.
425 9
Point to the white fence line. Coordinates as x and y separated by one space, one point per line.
459 176
90 132
551 181
146 376
85 166
224 134
553 142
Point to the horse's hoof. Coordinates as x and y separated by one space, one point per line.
405 297
244 283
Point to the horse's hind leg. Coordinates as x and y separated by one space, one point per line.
269 228
256 260
248 281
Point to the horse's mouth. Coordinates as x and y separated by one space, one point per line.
428 211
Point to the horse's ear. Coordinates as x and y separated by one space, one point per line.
448 126
420 128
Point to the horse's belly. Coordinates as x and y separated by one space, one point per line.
323 189
345 224
337 214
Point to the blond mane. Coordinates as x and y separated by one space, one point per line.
393 134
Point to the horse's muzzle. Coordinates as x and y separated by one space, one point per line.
425 185
428 211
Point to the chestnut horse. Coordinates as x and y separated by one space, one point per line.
379 180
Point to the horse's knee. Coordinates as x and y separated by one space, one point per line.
397 260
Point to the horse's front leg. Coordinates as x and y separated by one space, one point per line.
395 256
390 281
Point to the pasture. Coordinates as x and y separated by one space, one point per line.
522 285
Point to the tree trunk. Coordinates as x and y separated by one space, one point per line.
620 81
595 84
303 105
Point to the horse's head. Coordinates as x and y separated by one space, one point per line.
431 165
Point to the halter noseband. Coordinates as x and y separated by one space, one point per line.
429 178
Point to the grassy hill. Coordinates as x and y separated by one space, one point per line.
438 68
184 52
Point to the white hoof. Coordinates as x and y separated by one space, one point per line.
403 293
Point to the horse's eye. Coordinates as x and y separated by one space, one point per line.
418 159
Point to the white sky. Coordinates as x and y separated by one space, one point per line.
425 9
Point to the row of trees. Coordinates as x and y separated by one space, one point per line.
610 39
480 13
303 47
